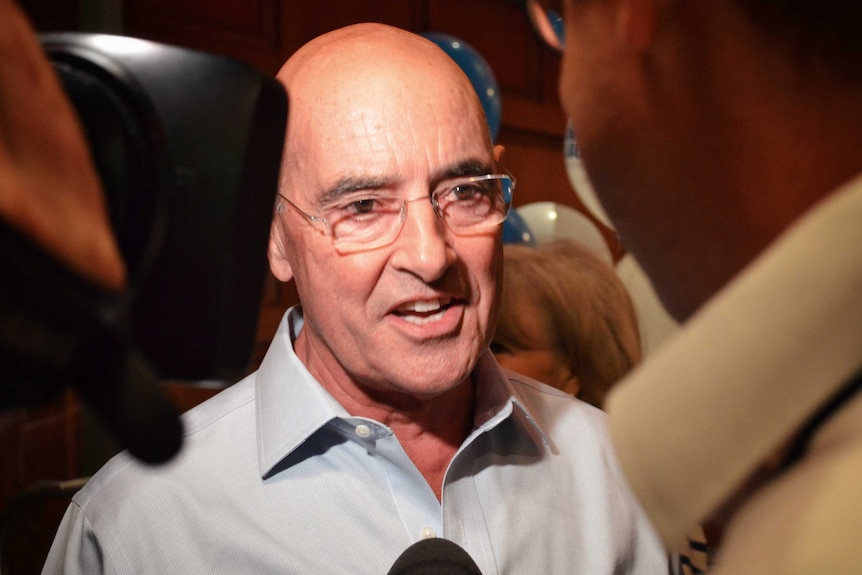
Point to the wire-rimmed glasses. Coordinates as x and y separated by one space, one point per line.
547 22
469 205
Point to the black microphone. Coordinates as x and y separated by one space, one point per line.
123 387
434 556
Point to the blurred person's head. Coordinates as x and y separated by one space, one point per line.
565 319
707 128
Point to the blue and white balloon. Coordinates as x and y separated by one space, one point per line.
479 73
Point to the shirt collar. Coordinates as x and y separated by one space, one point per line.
292 405
498 398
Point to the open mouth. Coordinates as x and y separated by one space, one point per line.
423 312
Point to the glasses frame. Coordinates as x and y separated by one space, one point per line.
547 23
324 225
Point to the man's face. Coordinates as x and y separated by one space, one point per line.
412 316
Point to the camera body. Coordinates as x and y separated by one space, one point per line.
188 148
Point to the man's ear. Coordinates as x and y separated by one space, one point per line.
279 263
498 152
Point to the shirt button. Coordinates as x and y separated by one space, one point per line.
363 431
428 533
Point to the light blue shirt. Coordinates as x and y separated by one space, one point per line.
276 477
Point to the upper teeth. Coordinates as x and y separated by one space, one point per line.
421 306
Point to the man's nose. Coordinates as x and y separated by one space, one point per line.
423 247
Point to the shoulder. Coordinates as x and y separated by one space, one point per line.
551 404
215 429
569 426
228 404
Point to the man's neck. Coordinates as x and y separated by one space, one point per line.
430 429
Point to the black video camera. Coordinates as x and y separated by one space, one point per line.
188 147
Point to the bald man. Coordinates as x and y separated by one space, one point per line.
378 416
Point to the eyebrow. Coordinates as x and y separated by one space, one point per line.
350 184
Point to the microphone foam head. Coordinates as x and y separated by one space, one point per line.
434 556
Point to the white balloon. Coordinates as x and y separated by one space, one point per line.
580 180
551 221
656 325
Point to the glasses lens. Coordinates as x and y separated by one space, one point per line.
476 204
548 24
367 230
468 206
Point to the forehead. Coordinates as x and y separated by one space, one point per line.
397 120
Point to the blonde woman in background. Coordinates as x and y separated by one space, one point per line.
566 319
